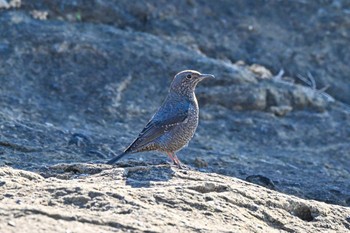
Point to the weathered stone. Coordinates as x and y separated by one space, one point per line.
77 87
187 201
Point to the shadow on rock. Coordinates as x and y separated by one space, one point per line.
142 176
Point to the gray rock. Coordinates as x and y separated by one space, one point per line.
70 92
313 38
61 81
136 199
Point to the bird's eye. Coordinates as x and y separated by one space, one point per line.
189 76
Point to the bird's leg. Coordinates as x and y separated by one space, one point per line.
177 160
171 157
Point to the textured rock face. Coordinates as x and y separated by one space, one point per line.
84 82
156 199
297 36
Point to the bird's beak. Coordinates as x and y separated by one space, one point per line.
203 76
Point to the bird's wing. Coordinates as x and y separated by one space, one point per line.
167 117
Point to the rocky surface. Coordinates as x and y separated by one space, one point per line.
79 80
153 199
298 36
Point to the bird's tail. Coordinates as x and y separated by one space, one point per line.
116 158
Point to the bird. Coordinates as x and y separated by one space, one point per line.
175 122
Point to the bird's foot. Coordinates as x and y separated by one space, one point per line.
185 167
176 161
181 165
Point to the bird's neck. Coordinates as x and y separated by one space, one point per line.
188 95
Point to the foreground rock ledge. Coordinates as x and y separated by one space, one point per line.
101 198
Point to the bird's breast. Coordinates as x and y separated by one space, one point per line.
179 136
182 133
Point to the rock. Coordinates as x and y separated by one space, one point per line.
235 31
261 180
77 105
4 4
280 110
187 201
200 163
260 71
11 4
77 87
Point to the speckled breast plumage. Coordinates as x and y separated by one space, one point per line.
179 136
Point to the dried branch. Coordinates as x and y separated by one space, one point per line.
310 81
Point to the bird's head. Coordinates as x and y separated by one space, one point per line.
186 81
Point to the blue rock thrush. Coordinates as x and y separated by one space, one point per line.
174 124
